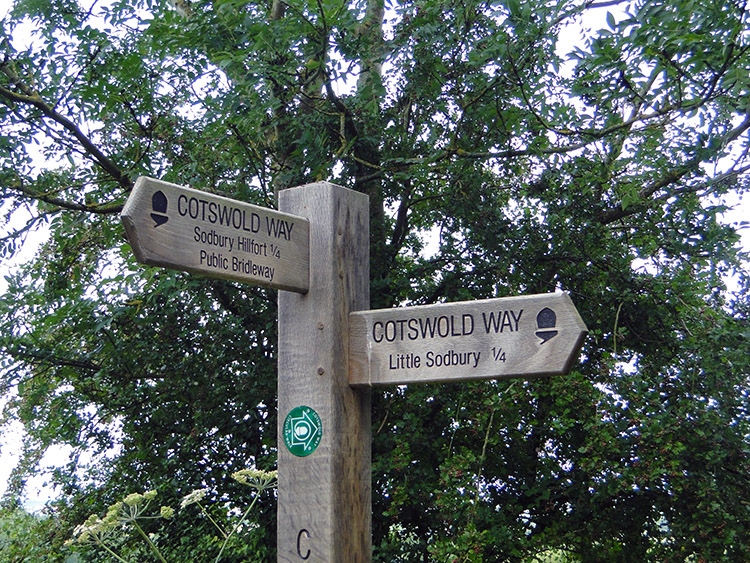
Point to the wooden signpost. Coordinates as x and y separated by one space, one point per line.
324 436
185 229
331 349
525 336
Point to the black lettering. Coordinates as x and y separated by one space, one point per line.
401 323
428 327
467 328
181 207
506 321
443 328
491 322
413 329
223 215
306 535
375 326
518 318
453 327
392 336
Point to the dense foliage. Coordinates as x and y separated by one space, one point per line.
600 167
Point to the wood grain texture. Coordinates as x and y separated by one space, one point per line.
184 229
524 336
324 498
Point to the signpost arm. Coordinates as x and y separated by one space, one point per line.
324 504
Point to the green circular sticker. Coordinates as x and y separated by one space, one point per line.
303 430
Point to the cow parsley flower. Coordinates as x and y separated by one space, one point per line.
193 498
256 478
133 499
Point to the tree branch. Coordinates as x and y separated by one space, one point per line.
98 208
674 175
30 224
27 96
48 358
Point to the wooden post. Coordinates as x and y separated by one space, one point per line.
324 510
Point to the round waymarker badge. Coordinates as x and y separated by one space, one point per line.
303 430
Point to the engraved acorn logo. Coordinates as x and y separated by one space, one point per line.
159 207
545 322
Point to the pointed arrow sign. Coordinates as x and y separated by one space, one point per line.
522 336
185 229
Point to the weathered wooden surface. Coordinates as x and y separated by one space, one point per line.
324 512
496 338
185 229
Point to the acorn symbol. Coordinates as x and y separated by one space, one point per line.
159 205
545 322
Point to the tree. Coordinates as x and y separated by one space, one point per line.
603 172
29 537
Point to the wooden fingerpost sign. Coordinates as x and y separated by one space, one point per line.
331 349
324 436
185 229
525 336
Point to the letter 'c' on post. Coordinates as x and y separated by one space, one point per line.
302 533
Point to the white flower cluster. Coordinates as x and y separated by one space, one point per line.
166 512
95 529
256 478
129 510
193 498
